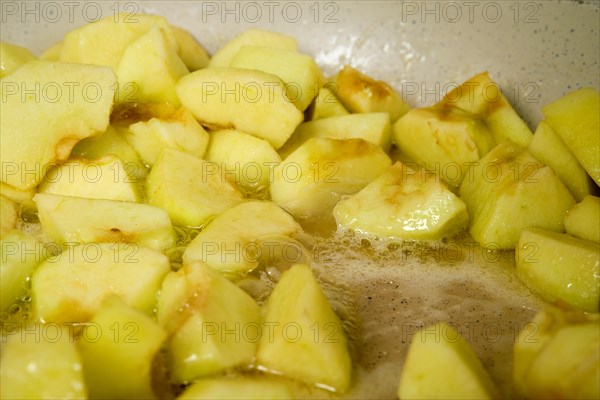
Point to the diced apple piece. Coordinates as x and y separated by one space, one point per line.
327 105
299 72
230 243
251 160
12 57
317 352
9 214
560 267
583 219
252 101
191 53
441 365
576 119
251 37
445 140
311 180
507 191
547 147
238 388
556 356
71 286
180 131
98 220
52 53
149 70
104 41
69 101
191 190
41 362
16 195
406 204
19 254
214 324
482 97
105 178
372 127
118 363
111 143
360 93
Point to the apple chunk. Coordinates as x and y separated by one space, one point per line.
311 180
105 178
9 214
12 57
99 220
41 362
149 69
249 159
71 286
372 127
317 353
547 147
252 101
406 204
560 267
230 243
362 94
556 356
441 365
70 102
213 323
299 72
582 220
122 354
251 37
576 119
191 190
507 191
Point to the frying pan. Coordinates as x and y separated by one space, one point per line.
536 50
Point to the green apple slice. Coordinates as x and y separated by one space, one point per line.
180 131
118 362
191 190
12 57
582 220
311 180
327 104
306 340
251 101
19 254
231 242
560 267
70 101
105 178
372 127
251 37
214 325
249 159
443 140
507 191
9 214
71 286
190 51
98 220
360 93
441 365
404 204
576 119
299 72
149 69
41 362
